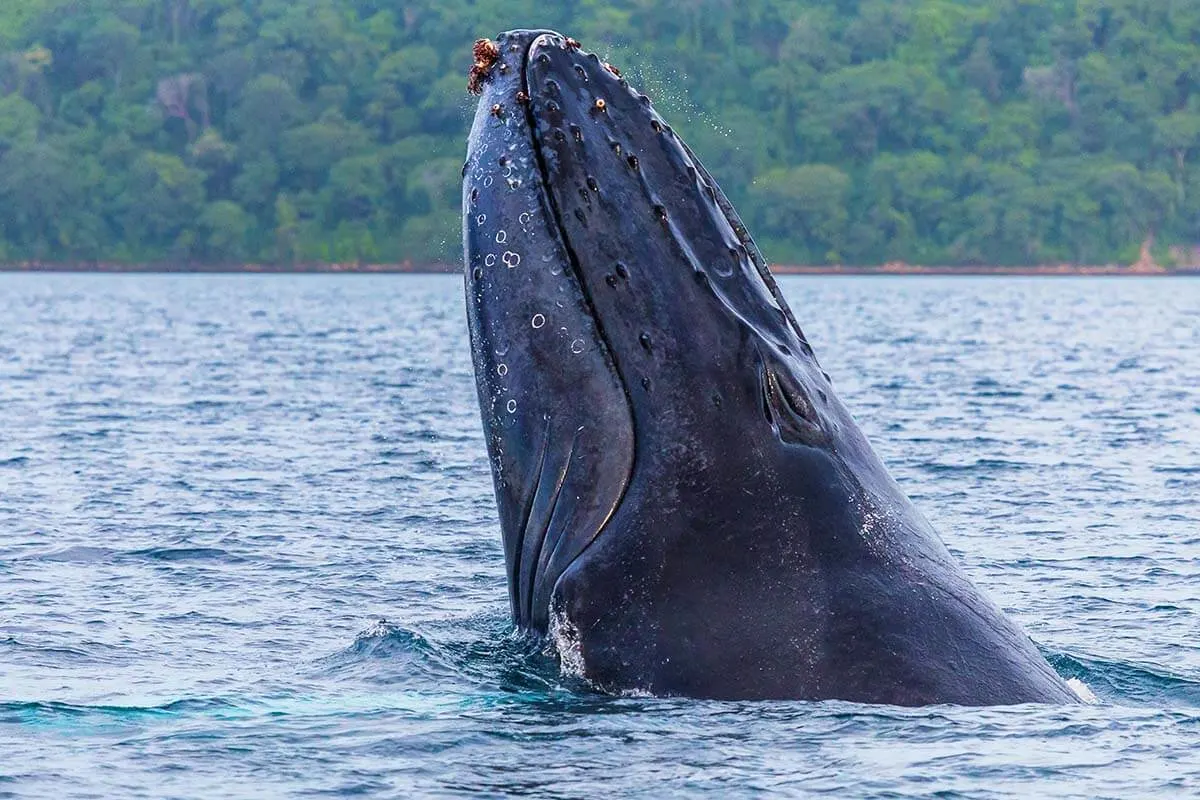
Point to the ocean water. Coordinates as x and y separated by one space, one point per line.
248 547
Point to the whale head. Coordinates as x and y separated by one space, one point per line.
672 466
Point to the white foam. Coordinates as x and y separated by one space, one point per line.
1083 692
564 636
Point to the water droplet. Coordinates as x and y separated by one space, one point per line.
512 406
511 259
577 346
525 217
538 320
501 237
502 370
488 181
489 260
482 218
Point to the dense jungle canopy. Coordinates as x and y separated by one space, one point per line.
847 131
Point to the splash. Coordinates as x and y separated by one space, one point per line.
564 640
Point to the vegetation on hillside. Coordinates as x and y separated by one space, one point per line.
851 131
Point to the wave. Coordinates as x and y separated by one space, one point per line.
484 650
1125 683
33 712
486 654
480 664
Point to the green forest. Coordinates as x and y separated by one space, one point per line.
954 132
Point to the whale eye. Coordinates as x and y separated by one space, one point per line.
788 409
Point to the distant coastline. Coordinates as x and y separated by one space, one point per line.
1111 270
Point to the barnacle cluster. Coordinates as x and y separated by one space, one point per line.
486 55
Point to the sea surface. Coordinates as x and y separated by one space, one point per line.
248 547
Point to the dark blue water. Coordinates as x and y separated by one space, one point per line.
248 547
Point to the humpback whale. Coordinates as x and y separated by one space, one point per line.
687 507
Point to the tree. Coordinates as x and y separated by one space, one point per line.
225 227
19 121
161 206
805 205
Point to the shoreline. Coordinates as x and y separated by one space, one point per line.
408 268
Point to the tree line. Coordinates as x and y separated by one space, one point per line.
1003 132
